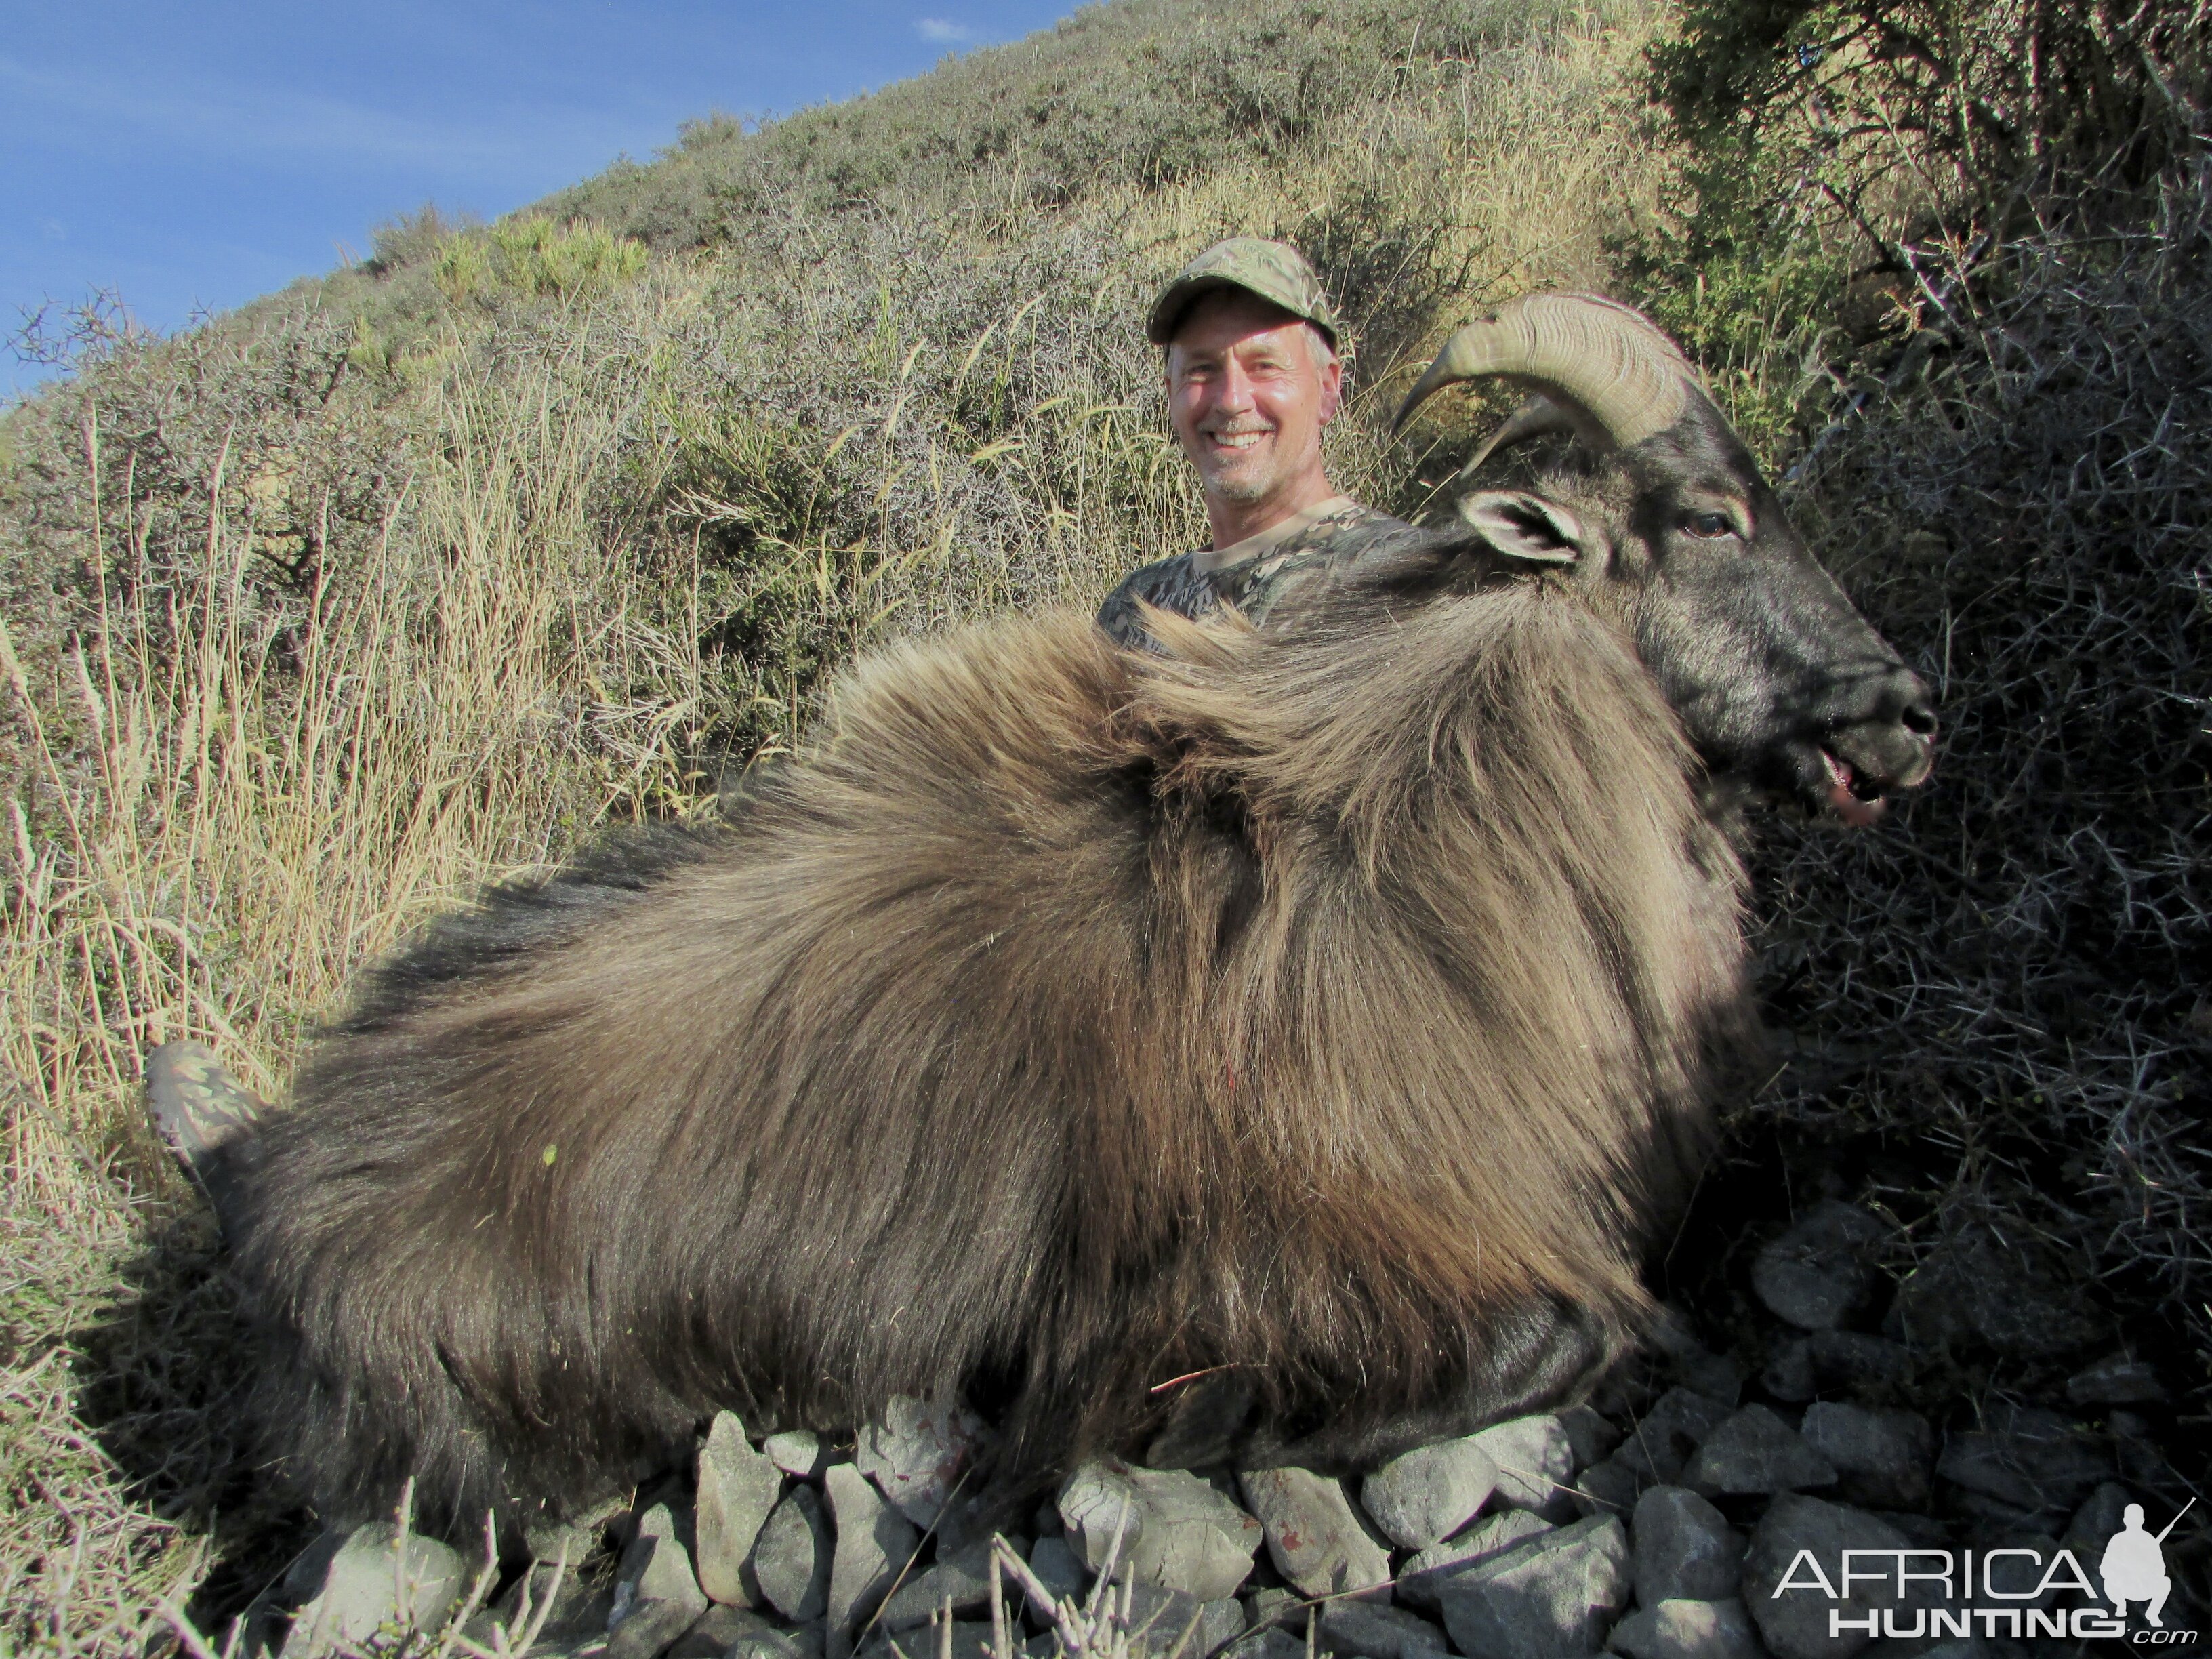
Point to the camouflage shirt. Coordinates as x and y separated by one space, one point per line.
1253 575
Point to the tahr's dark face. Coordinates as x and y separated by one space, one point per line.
1781 683
1777 678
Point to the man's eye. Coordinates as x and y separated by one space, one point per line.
1709 526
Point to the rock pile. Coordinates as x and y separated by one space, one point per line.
1671 1517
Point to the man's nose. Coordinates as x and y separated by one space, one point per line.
1233 391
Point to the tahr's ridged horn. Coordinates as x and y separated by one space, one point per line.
1593 352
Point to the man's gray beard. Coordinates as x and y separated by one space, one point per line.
1241 492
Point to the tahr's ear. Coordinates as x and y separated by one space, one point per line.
1523 526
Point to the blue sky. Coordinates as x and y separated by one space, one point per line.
192 156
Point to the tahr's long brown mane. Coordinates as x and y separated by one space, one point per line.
1063 1020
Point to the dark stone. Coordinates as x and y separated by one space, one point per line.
1795 1622
1379 1632
2115 1380
1591 1434
1973 1288
649 1629
1609 1488
2028 1457
1555 1595
1755 1451
1838 1362
1667 1435
1687 1630
1685 1548
1819 1272
1881 1457
1422 1578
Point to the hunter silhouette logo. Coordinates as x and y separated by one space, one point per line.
2134 1566
2012 1592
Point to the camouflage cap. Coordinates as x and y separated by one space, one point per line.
1276 271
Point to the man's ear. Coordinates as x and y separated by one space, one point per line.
1524 527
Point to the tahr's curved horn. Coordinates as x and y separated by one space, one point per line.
1577 348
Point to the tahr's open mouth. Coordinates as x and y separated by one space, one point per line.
1859 801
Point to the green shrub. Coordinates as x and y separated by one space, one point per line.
534 256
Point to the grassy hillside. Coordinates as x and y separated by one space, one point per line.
412 575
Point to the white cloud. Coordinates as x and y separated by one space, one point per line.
943 31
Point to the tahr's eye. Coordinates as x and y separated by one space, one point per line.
1708 526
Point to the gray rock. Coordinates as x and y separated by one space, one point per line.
917 1454
2115 1380
874 1543
1429 1493
1687 1630
1057 1570
1554 1594
1818 1272
1755 1451
971 1639
1699 1368
1881 1457
2101 1514
1157 1617
581 1534
648 1629
1608 1488
360 1588
1223 1623
1665 1437
1180 1533
1378 1631
738 1488
1423 1577
1315 1538
965 1577
581 1606
1275 1605
1685 1549
1974 1288
1794 1622
656 1565
1591 1434
1838 1362
2141 1460
791 1556
797 1451
728 1633
2032 1459
1271 1642
1535 1464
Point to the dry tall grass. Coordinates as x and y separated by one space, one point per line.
614 532
253 797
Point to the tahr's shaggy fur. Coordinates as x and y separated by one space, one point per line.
1339 1006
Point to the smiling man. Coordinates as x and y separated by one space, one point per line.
1252 377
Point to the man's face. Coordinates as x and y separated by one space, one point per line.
1249 389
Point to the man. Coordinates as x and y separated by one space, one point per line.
2134 1567
1252 377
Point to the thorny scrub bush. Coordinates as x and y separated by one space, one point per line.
1978 237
